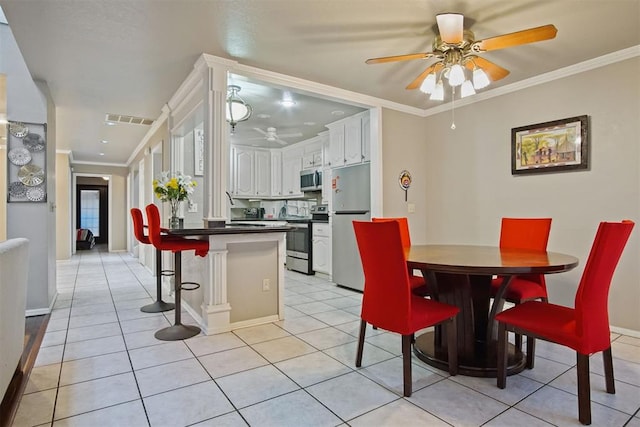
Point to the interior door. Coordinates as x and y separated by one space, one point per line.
92 210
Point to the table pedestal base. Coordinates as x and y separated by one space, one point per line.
482 364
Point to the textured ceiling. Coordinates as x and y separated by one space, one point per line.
128 57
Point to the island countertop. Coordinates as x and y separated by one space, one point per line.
228 229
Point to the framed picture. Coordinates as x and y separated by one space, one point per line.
558 146
198 152
27 161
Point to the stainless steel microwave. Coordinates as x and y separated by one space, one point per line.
311 180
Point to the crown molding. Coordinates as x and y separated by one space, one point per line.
116 165
147 136
580 67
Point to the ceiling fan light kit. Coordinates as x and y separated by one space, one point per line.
236 110
457 49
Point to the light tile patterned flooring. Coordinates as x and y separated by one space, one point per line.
100 365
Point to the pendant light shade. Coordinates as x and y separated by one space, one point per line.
480 78
237 110
467 89
438 92
429 84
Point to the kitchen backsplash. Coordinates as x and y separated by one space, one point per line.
273 209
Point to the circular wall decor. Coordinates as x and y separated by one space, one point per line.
34 142
35 194
17 189
18 129
31 175
19 156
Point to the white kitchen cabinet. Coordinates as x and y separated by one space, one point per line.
252 172
336 145
276 173
353 141
312 160
262 162
366 138
291 167
244 176
321 240
347 141
326 187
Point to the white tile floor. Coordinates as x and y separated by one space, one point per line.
100 365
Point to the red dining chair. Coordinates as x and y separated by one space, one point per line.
584 328
138 230
387 300
418 283
176 245
523 233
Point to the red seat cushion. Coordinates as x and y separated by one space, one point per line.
426 312
549 321
519 290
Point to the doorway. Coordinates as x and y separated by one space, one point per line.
92 210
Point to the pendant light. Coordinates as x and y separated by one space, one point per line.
237 110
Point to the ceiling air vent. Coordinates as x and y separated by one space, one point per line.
119 118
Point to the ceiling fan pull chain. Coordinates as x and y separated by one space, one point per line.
453 108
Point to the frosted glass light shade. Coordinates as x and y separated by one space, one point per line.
236 109
480 79
429 84
467 89
456 75
438 92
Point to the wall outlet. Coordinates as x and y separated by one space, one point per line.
193 207
411 207
266 285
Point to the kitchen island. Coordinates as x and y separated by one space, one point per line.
241 278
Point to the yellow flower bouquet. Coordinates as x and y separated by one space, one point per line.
173 189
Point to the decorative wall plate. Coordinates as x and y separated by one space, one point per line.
17 189
31 175
35 194
19 156
34 142
18 129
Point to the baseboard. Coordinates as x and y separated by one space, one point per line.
42 311
624 331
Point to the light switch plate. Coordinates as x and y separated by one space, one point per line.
411 207
193 207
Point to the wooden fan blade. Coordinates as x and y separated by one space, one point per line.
531 35
493 71
399 58
450 27
418 81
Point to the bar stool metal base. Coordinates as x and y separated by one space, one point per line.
158 307
177 332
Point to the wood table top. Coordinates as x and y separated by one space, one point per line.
469 259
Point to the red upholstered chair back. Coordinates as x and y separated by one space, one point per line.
386 302
404 229
592 297
153 219
138 226
526 233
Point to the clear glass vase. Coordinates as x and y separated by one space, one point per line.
174 222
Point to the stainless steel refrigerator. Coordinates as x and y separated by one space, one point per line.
351 201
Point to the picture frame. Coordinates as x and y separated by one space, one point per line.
26 162
556 146
198 152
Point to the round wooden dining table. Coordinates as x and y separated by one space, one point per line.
461 275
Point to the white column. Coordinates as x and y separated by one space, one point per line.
216 134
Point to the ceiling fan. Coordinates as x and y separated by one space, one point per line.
456 49
272 136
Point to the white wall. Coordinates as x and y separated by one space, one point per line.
30 103
464 175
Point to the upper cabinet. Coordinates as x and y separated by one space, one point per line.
251 172
349 140
291 167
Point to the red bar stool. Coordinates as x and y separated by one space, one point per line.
138 230
176 245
